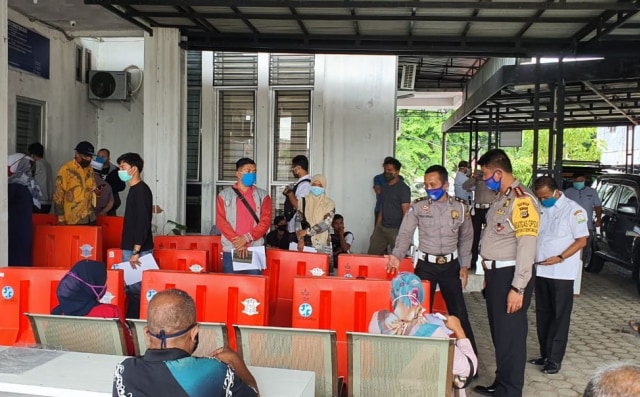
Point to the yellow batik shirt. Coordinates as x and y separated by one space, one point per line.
74 197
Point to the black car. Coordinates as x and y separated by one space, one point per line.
619 237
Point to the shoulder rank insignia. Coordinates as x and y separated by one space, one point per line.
519 192
461 200
507 192
419 199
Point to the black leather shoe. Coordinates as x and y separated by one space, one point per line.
538 361
551 368
486 390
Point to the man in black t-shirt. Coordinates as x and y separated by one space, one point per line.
280 237
137 239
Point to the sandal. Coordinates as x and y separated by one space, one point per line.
635 327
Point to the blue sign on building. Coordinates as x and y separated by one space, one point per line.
28 50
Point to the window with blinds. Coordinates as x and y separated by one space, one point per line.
236 129
292 131
194 88
290 69
235 69
29 116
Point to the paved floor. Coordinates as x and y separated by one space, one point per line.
598 335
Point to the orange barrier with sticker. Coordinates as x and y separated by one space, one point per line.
211 244
185 260
369 266
63 246
340 304
33 290
220 298
111 231
282 267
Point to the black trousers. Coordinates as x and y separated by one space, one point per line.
508 331
448 277
478 219
554 302
20 226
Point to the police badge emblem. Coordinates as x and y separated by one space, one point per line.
426 208
455 214
250 306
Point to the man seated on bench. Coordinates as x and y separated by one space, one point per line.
409 318
167 367
79 294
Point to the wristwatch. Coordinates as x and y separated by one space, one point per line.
561 258
519 291
135 252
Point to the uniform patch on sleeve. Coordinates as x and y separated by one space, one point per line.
525 217
580 218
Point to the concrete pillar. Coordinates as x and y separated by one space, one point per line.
164 148
4 133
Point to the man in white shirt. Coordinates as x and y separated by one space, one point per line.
461 177
563 233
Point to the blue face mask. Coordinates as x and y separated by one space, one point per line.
549 202
249 179
578 185
492 184
124 175
317 190
435 194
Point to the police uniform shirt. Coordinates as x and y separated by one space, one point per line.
560 226
512 230
587 198
483 195
444 226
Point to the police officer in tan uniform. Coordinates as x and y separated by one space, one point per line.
446 235
507 250
482 198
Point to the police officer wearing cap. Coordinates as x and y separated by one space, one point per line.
507 250
446 235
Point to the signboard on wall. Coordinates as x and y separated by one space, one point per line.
28 50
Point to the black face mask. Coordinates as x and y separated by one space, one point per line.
84 163
282 228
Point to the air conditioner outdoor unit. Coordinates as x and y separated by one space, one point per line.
109 86
408 77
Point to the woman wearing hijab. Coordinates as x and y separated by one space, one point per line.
79 294
410 318
23 194
314 217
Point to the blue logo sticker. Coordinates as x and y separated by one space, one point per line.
348 275
85 250
150 294
305 310
115 266
7 292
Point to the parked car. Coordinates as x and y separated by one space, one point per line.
619 237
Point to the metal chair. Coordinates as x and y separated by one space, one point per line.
391 365
293 348
211 337
79 334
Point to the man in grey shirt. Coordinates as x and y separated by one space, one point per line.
396 197
588 199
43 177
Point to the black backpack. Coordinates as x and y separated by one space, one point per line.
289 211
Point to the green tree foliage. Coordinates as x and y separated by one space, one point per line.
419 145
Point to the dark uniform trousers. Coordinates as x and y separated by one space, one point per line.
508 331
448 277
478 219
554 302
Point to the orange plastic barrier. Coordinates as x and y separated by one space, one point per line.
340 304
282 266
114 255
228 298
33 290
185 260
438 303
111 231
43 219
211 244
63 246
369 266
